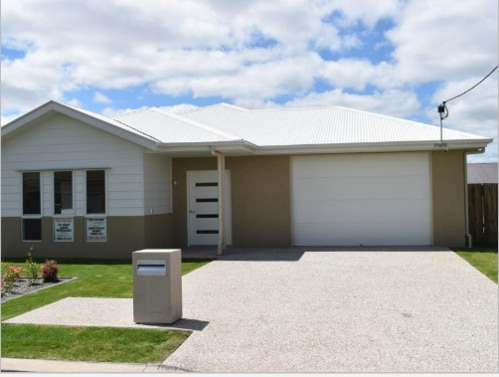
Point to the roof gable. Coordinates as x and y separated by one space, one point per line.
98 121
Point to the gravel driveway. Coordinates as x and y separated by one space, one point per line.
335 311
350 311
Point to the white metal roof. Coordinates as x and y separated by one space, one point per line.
235 130
169 128
318 125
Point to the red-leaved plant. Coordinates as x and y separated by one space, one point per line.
49 270
10 276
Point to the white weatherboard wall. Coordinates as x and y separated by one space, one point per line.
62 143
361 199
157 184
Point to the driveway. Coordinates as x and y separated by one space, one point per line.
340 311
316 311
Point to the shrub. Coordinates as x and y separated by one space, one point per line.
49 270
32 268
11 275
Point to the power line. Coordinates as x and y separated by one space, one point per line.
444 112
470 89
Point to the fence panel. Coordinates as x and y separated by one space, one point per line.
482 211
475 213
490 213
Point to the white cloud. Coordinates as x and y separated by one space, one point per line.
251 52
102 98
369 12
445 39
358 73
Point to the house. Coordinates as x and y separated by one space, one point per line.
82 185
482 173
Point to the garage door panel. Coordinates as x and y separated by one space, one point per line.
375 199
355 165
361 188
365 234
359 210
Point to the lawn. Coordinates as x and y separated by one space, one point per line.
484 260
94 279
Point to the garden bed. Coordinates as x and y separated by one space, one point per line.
23 287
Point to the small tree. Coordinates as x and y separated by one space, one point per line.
32 268
49 270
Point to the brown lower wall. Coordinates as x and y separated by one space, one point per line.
158 231
124 235
448 185
261 213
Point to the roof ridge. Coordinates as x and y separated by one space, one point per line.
196 124
137 130
220 104
126 113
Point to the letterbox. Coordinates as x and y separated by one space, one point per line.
157 286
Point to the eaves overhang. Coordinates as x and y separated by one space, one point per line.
468 145
230 148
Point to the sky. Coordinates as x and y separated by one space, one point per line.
399 58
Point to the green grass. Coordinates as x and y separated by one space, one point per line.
103 344
484 260
94 279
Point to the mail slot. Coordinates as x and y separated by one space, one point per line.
157 286
151 267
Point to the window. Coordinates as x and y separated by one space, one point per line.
96 192
32 210
31 194
63 193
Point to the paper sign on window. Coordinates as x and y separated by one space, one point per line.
96 230
63 229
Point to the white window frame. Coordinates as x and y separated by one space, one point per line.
96 215
31 216
58 217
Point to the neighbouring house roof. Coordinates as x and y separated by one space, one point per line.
482 173
235 130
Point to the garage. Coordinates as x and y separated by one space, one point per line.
365 199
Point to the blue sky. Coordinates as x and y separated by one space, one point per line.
394 57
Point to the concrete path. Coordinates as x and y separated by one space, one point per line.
336 311
56 366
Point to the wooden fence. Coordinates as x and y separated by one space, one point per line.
482 208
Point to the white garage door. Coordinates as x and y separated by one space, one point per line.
361 199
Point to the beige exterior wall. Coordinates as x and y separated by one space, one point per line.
124 235
261 214
448 185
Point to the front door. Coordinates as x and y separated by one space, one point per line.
202 197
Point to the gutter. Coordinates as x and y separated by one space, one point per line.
370 147
221 198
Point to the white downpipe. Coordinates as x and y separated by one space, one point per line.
221 199
469 238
